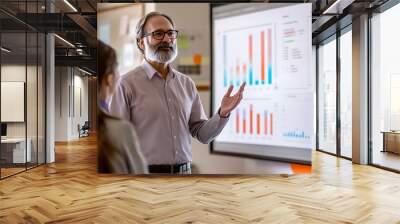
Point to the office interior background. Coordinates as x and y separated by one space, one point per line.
48 79
54 64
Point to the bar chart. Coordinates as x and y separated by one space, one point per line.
248 56
274 122
292 127
269 51
251 122
296 134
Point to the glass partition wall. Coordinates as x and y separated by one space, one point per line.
334 58
327 95
346 95
22 77
385 89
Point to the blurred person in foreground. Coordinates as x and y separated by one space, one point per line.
164 104
118 147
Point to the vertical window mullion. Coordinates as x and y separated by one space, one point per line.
317 96
338 91
37 89
26 86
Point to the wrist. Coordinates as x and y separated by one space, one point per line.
223 114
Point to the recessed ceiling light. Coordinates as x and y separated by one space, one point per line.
86 72
5 49
337 6
70 5
65 41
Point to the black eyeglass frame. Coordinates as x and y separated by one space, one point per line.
152 34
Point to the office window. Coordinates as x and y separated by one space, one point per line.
385 87
22 91
346 93
327 96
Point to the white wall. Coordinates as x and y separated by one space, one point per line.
70 83
117 27
192 20
61 103
79 117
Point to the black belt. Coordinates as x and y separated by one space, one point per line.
173 168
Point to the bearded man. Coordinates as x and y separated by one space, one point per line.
164 104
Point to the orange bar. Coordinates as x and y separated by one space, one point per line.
237 121
251 119
258 123
251 49
270 122
244 121
269 46
262 57
265 123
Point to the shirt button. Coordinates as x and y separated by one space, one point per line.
169 99
174 136
173 117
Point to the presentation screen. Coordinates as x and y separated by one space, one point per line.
269 47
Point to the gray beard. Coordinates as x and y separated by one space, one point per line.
160 56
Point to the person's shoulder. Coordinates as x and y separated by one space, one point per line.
184 78
137 72
180 74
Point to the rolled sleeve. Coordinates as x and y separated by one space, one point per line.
203 129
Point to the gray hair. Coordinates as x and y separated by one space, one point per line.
142 22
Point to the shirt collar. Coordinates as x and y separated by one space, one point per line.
151 71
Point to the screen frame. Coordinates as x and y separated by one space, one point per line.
213 143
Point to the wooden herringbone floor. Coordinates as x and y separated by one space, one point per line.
70 191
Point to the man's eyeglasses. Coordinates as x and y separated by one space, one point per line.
159 34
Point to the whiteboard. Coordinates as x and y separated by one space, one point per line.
269 50
12 101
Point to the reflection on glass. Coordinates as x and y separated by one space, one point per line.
22 90
15 150
327 96
386 89
346 93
